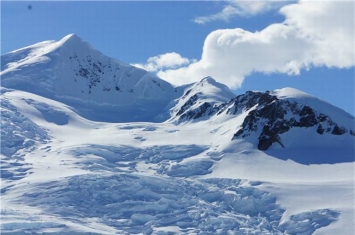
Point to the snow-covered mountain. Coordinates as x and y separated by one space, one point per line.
282 117
91 145
99 87
200 100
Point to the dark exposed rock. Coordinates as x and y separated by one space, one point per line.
273 113
322 117
320 129
264 142
187 92
239 132
268 137
203 108
338 130
307 121
188 104
306 111
84 73
197 113
266 98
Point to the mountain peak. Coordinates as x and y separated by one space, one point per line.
71 36
209 85
41 53
73 43
201 99
289 92
208 79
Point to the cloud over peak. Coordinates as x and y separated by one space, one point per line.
169 60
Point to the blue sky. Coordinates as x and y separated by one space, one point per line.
168 38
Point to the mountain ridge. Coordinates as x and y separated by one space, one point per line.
104 89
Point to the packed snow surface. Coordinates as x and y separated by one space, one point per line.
62 173
160 159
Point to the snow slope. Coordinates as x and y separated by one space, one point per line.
198 172
99 87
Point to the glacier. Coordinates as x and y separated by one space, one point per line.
92 145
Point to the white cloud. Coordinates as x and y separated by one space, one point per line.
241 8
329 25
170 60
315 33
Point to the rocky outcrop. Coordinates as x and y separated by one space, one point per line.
270 117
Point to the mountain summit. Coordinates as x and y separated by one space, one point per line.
200 99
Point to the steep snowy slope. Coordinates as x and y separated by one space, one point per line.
199 161
99 87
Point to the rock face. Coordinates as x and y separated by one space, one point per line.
267 114
271 116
